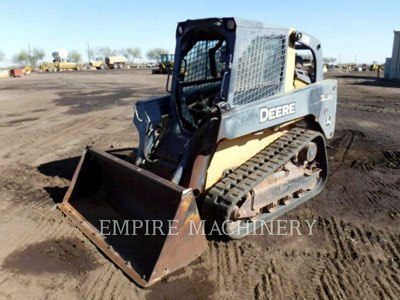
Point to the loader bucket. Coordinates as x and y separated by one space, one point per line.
109 198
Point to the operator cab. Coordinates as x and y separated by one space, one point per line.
200 77
204 60
166 58
305 66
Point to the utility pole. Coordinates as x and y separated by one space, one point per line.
30 56
355 60
340 59
88 52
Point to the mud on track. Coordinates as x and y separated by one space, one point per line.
48 119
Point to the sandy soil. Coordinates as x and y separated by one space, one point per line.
46 120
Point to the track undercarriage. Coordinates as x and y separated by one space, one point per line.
283 175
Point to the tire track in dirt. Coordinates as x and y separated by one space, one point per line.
72 136
226 264
30 203
49 223
377 194
341 272
108 282
32 218
300 271
118 287
88 288
336 274
333 284
352 148
101 284
41 230
272 268
275 284
345 274
354 254
374 186
229 262
373 159
368 108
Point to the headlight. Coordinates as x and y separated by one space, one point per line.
230 25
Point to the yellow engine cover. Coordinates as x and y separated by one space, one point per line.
232 153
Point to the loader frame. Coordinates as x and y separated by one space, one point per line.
239 107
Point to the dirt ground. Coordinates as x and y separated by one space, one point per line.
46 120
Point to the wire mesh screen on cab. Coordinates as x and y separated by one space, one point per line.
260 69
197 65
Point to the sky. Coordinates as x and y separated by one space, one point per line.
360 30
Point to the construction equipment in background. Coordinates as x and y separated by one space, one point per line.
61 66
364 67
4 73
99 63
165 64
27 70
240 140
348 68
43 66
375 67
60 63
151 65
16 72
115 62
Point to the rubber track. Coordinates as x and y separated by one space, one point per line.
225 194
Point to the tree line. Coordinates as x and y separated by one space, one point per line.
31 58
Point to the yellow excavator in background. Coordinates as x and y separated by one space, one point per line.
165 64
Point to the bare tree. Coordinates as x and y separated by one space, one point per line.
2 56
131 53
329 60
90 54
123 52
105 51
155 54
37 55
25 58
22 57
74 56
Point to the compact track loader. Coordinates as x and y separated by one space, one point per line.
239 139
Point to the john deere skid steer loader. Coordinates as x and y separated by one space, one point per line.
239 139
